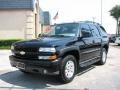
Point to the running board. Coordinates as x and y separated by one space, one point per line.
89 62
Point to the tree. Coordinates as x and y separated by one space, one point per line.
115 12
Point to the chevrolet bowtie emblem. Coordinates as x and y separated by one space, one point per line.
22 53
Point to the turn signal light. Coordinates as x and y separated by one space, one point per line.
53 57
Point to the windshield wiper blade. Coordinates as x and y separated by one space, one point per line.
57 35
44 35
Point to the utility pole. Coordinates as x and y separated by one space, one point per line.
93 19
101 11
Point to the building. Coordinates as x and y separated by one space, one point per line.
20 19
46 19
41 19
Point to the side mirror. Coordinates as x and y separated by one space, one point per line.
85 34
80 36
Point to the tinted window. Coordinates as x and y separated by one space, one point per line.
85 30
67 29
102 31
95 31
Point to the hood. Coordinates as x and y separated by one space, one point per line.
46 42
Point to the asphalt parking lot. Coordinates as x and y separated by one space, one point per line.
94 77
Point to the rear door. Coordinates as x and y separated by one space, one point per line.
104 36
97 41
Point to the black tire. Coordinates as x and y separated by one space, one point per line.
62 76
23 71
102 62
118 44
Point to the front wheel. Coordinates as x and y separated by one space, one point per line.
23 71
68 69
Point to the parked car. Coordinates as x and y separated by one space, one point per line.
112 38
67 47
117 41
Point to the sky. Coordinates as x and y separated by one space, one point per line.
81 10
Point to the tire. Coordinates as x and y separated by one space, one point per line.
23 71
103 57
68 69
118 44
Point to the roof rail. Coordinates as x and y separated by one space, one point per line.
89 21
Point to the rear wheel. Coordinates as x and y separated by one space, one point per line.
103 57
68 69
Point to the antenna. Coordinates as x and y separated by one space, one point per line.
101 10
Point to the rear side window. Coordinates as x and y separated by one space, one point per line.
102 30
94 30
85 31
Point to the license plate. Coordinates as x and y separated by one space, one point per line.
20 65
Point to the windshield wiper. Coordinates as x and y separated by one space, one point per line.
44 35
57 35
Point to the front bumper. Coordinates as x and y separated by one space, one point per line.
35 66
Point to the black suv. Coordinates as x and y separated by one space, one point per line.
67 47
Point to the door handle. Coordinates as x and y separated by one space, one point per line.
93 41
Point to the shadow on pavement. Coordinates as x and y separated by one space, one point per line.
34 81
85 69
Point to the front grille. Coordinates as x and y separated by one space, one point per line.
31 53
27 56
26 49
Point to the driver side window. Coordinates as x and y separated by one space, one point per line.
85 31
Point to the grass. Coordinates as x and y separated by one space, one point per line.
5 47
6 44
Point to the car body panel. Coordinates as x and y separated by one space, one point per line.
117 41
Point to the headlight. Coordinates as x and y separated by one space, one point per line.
12 47
51 49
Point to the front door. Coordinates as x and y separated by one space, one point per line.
86 46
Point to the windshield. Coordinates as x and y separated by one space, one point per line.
70 29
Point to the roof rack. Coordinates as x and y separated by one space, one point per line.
92 22
89 21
